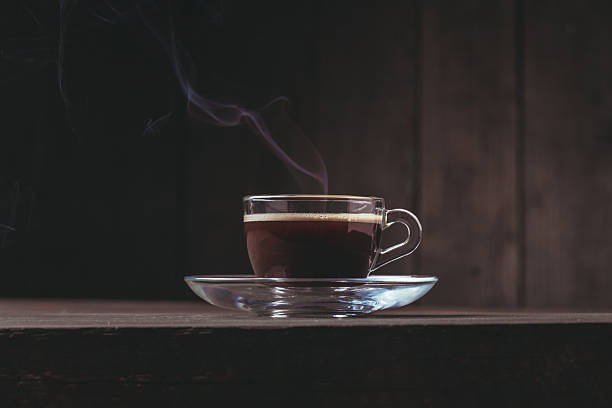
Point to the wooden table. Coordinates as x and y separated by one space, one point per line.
119 353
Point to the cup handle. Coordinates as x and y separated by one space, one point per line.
412 241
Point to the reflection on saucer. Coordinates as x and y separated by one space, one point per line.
283 297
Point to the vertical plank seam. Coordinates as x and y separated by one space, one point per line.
417 106
183 264
519 46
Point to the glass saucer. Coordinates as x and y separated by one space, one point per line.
302 297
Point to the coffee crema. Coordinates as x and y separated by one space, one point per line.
312 245
341 217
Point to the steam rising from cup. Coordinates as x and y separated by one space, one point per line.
271 122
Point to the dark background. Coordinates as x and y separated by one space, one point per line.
490 119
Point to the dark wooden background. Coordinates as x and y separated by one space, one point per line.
490 119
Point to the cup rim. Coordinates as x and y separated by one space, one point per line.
327 197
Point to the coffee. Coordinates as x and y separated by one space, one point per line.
312 245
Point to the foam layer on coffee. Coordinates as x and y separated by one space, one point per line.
341 217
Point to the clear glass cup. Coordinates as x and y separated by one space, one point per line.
323 236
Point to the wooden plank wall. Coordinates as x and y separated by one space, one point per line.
568 153
491 120
468 152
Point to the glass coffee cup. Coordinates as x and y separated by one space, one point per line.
322 236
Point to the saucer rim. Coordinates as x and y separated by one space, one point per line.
377 279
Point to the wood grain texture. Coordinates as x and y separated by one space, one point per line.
50 314
358 362
365 106
468 152
568 142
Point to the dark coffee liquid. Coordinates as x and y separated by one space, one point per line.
312 245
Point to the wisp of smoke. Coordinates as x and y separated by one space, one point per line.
271 122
